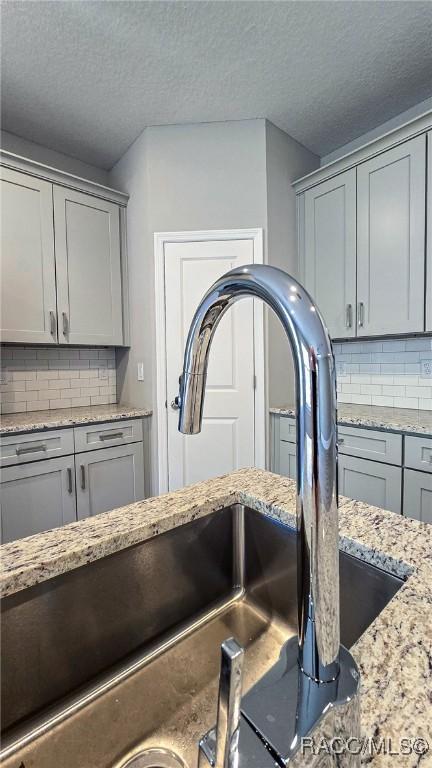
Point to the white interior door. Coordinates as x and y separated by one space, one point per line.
226 441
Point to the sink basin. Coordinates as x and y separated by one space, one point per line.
119 657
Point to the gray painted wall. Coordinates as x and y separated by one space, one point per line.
286 160
203 176
224 175
40 154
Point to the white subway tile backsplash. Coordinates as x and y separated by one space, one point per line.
40 378
425 404
384 372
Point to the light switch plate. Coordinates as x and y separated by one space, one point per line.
426 369
140 371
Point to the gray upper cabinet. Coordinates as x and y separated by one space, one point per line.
329 267
63 270
28 292
87 244
429 238
390 240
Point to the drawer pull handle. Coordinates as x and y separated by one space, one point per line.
30 449
349 315
83 480
65 324
361 314
69 477
110 435
53 324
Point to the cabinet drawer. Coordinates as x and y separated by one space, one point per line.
418 495
287 429
370 444
418 453
32 446
96 436
370 481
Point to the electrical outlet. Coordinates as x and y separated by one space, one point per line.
426 369
140 371
341 368
4 377
103 373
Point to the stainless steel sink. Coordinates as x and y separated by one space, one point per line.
121 656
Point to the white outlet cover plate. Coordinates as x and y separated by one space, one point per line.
426 369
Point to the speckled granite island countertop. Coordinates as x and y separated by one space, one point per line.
406 420
394 655
36 421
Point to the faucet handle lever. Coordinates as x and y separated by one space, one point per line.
219 745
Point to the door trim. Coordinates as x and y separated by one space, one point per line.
160 239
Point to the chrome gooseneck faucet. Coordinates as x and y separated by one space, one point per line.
321 664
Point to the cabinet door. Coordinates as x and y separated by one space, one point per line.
28 291
330 251
109 478
288 459
37 496
87 241
418 495
370 481
391 240
429 237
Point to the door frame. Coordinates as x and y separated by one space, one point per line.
160 240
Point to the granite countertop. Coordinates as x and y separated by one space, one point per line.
36 421
394 654
406 420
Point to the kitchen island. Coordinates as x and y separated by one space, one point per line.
394 654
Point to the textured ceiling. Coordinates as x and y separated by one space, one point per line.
85 78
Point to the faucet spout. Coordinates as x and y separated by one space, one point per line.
317 514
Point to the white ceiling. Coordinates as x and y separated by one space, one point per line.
85 78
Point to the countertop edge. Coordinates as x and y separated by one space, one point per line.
370 422
72 420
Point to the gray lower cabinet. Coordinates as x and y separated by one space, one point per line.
288 459
418 495
37 496
371 481
109 478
